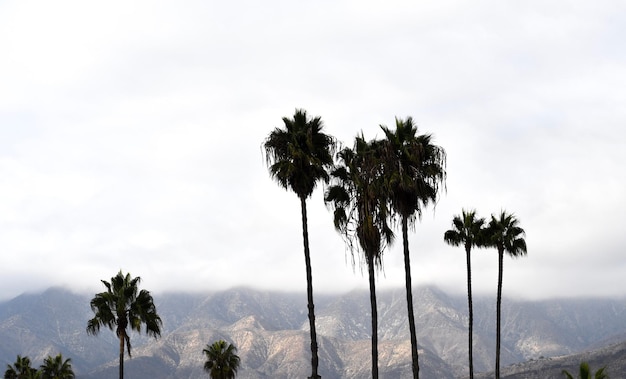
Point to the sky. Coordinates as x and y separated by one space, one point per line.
131 134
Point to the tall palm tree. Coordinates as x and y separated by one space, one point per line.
467 230
299 156
359 202
584 372
21 369
123 306
222 361
505 234
415 172
57 368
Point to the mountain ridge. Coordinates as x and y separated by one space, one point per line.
270 330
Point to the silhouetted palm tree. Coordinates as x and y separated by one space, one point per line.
584 372
467 230
123 306
222 360
505 234
21 369
359 202
299 156
415 171
57 368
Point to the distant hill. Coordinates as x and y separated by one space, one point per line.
612 357
270 330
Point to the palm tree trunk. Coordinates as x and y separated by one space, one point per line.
409 297
471 311
309 291
372 278
498 310
121 356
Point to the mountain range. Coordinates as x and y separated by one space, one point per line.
270 330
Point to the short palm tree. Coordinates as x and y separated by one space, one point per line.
21 369
584 372
360 210
415 171
123 306
505 234
57 368
222 361
299 156
467 230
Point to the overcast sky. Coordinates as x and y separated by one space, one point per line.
131 133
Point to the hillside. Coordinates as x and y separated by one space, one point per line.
613 357
271 331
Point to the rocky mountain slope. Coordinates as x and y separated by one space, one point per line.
270 330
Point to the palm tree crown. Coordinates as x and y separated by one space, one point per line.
123 306
505 234
359 200
467 230
300 155
222 361
415 168
57 368
21 369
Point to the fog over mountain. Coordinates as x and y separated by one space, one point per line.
270 330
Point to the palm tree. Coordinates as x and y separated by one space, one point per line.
505 234
299 156
222 360
57 368
467 230
584 372
360 213
21 369
123 306
415 171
